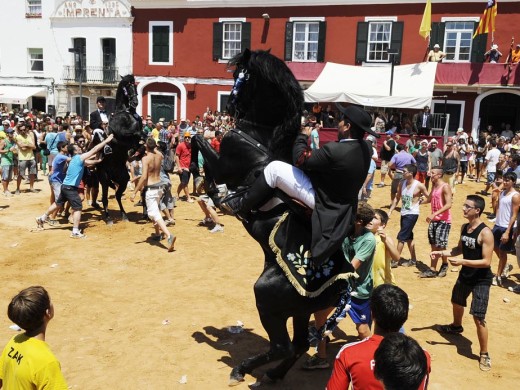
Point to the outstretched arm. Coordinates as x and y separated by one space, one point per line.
97 148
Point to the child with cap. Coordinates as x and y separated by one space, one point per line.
27 361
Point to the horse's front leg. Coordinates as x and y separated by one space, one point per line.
104 201
119 195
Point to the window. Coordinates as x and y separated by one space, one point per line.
232 40
457 41
375 37
35 60
161 43
379 34
305 39
230 37
33 8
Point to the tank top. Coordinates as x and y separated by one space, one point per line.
471 250
7 158
437 203
381 265
408 207
504 209
450 165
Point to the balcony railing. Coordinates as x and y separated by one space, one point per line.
94 74
477 74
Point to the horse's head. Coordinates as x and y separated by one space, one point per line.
126 95
268 97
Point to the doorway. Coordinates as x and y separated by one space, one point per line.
498 109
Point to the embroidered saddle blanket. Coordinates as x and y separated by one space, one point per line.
290 241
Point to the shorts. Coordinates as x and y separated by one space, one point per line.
50 159
185 177
206 199
167 199
384 167
153 196
69 193
479 160
360 311
27 165
490 177
56 188
7 172
479 302
398 176
498 231
463 167
407 224
438 232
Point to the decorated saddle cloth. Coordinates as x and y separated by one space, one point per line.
290 241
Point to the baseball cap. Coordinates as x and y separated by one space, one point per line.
187 134
434 141
9 130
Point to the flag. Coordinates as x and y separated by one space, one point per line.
487 21
426 23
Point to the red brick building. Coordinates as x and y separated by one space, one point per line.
181 49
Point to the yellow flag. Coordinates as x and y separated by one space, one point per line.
426 24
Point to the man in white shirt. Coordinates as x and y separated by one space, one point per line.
491 161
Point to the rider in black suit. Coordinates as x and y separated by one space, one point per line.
336 171
97 119
424 122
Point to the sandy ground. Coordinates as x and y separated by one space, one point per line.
113 290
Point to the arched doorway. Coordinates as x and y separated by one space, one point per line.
500 108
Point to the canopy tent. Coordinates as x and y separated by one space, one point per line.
18 95
370 85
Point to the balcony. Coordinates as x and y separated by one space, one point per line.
477 75
94 74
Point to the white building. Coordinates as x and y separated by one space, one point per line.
55 54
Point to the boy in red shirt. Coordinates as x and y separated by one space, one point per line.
354 363
183 161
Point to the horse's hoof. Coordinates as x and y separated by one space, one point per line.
109 222
267 379
236 377
96 206
124 218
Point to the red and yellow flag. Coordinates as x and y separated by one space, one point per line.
487 21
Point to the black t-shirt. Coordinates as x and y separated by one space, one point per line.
471 250
387 154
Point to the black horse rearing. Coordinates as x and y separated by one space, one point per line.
126 125
266 102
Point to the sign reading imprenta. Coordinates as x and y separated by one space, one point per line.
92 9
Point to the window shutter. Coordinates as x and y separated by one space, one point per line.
397 40
321 41
478 46
362 42
437 34
246 36
288 41
217 41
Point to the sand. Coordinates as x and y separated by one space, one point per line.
130 315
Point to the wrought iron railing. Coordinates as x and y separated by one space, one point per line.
94 74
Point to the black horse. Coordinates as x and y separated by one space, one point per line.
267 102
126 125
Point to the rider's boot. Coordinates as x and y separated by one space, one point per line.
241 203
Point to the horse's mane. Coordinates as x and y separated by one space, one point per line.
121 96
284 103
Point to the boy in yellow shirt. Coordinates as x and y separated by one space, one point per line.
27 362
385 251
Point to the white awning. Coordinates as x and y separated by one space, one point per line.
18 95
370 85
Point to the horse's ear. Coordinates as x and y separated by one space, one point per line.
121 77
247 55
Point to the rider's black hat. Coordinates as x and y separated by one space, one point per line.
359 117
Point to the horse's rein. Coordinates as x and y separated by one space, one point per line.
251 141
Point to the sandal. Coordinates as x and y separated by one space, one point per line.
450 329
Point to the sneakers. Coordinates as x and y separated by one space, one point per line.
217 228
52 222
157 237
515 289
428 274
39 222
206 222
450 329
497 281
394 264
380 185
77 235
315 362
7 194
17 192
442 271
171 242
408 263
484 362
507 269
492 220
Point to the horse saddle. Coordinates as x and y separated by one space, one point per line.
290 241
